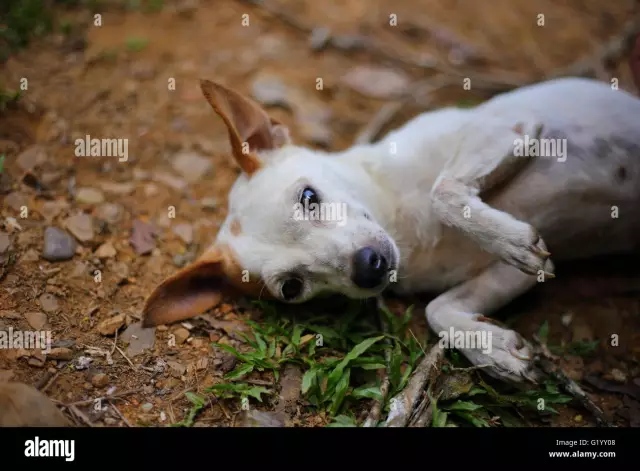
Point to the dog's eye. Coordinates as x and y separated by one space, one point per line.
291 288
309 196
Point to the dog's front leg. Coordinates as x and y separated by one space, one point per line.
458 317
485 158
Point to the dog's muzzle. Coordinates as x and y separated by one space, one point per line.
369 268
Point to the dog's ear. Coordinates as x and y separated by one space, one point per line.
250 127
188 293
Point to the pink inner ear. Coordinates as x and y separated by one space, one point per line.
246 122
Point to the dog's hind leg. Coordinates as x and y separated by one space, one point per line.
458 317
484 160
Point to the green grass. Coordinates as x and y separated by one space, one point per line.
468 103
340 356
8 98
577 348
21 21
148 6
135 44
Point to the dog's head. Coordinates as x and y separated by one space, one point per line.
299 224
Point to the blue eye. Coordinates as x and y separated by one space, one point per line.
309 196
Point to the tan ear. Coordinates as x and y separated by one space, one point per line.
247 123
188 293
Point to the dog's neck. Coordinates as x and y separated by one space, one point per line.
397 195
366 176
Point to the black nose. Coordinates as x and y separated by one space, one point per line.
369 268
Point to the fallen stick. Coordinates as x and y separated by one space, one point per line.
402 405
78 413
611 52
101 398
543 360
424 415
373 418
374 414
120 414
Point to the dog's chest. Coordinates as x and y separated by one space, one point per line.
436 259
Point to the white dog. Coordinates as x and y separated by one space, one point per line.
465 202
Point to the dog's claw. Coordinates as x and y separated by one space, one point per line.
488 320
518 355
530 376
542 253
549 275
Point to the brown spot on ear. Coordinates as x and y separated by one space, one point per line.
235 227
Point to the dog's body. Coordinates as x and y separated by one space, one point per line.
442 204
569 203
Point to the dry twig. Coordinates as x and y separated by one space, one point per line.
374 414
78 413
102 398
403 404
120 414
423 415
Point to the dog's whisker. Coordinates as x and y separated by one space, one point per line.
264 285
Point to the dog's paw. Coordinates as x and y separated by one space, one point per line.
503 353
522 247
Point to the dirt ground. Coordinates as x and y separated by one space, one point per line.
135 76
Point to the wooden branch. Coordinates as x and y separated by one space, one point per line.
403 404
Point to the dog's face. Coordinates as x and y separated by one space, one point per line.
298 224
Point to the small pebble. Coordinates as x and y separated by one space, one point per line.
181 335
209 203
89 196
61 353
106 250
111 325
48 303
100 380
58 245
